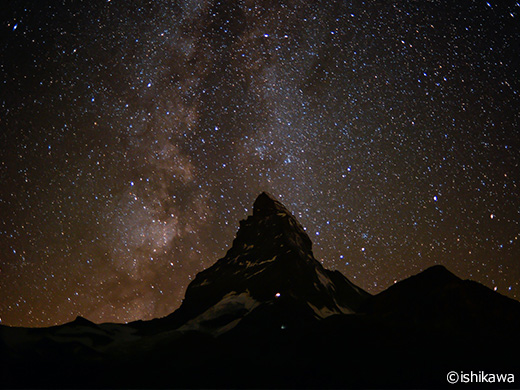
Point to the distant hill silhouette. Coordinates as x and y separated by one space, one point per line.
268 315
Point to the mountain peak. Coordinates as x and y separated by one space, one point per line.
82 321
409 292
275 223
270 268
265 205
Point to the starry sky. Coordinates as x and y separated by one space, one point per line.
136 134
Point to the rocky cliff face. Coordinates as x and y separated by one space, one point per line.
271 269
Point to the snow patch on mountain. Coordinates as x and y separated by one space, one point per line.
324 279
224 315
323 312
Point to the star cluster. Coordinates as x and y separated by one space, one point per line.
136 134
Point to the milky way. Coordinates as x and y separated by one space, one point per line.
135 136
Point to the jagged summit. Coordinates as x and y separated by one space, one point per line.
271 226
265 204
270 265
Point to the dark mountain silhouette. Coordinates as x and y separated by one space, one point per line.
438 298
269 315
269 269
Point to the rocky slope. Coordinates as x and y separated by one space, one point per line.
269 267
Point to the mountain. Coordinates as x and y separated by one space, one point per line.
270 269
269 315
438 298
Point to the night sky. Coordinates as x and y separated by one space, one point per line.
136 134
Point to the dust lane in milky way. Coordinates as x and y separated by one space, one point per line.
135 135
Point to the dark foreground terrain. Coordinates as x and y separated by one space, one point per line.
268 315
